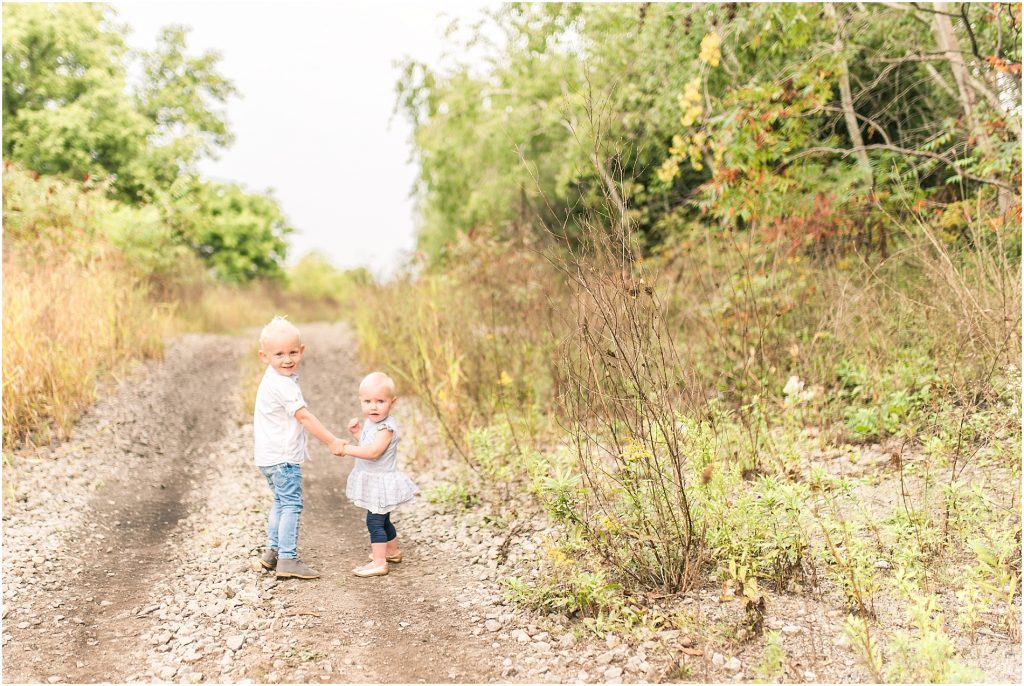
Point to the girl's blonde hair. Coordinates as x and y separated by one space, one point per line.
373 379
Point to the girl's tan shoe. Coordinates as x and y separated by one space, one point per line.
393 559
370 570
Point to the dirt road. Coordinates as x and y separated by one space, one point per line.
130 555
129 551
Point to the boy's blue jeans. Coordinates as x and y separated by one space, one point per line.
285 480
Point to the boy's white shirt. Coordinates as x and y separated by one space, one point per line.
278 435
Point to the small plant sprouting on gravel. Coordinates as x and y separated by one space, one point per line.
303 654
993 582
774 658
587 596
455 494
926 655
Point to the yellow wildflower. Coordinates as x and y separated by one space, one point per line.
678 148
690 102
711 49
668 170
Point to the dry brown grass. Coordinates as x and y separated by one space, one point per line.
65 324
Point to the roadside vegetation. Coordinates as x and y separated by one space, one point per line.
112 241
734 291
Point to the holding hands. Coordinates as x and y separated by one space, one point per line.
338 445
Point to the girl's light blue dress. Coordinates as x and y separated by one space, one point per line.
377 485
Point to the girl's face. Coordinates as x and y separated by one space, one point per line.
376 402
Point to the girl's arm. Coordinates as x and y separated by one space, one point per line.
354 427
372 451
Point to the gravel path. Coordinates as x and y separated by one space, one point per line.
130 551
130 555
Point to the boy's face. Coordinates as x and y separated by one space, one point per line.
283 352
376 402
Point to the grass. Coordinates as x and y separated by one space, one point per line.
90 285
819 385
65 325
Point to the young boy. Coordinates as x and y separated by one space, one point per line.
280 422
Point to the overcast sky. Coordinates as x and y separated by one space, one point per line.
313 120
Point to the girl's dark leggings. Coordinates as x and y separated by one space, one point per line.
380 526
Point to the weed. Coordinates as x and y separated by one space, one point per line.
773 659
295 653
679 671
927 655
455 494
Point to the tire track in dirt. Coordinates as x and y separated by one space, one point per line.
152 443
175 413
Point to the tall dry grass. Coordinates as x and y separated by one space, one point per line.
88 285
65 325
475 341
73 308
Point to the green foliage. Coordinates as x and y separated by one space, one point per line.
774 658
451 494
69 112
314 276
240 235
295 653
927 655
895 396
494 451
992 583
730 112
149 245
68 109
577 593
756 525
181 95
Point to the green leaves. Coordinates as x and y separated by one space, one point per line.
68 112
762 135
68 109
240 235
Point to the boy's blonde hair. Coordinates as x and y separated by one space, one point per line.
373 379
277 325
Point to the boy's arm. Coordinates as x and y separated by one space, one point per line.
316 427
372 451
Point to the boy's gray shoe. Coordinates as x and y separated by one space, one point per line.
296 569
269 558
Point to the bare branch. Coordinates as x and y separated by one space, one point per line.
933 11
941 56
952 164
937 78
867 120
845 95
970 32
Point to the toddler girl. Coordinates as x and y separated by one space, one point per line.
375 482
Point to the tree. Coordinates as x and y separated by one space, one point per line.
68 109
240 235
180 96
773 117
